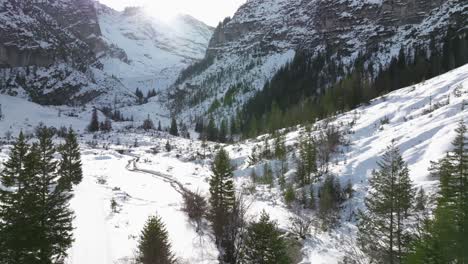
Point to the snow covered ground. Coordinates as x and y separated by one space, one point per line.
144 179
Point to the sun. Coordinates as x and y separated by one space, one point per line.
162 10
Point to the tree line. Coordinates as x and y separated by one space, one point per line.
314 87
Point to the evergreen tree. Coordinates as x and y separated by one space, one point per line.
16 226
307 159
53 215
264 243
329 202
444 239
174 130
140 96
106 126
388 203
154 246
159 126
211 131
94 125
222 137
222 193
148 124
70 170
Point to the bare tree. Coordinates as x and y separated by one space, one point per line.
300 225
235 231
196 206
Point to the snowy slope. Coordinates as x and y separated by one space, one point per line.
156 51
263 35
144 182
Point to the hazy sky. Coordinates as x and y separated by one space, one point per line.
208 11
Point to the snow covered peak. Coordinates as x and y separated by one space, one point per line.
156 51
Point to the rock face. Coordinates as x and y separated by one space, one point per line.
148 52
39 33
272 26
79 51
263 35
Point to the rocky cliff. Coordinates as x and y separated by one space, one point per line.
79 51
264 34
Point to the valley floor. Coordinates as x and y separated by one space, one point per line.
143 182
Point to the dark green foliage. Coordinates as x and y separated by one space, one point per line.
70 166
223 132
151 93
168 146
174 130
36 223
94 125
140 98
387 203
16 228
194 69
289 195
53 215
211 131
445 238
313 87
148 124
222 192
106 126
329 202
307 159
223 210
154 246
264 243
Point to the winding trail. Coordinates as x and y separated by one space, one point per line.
176 185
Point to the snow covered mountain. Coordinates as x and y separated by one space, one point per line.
153 52
265 34
146 179
74 52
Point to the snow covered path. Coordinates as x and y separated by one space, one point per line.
103 236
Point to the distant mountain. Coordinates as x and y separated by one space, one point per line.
78 51
263 35
149 53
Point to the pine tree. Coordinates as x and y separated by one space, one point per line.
154 246
159 126
307 159
387 203
223 132
211 131
329 202
148 124
443 239
16 227
106 126
70 170
264 243
222 193
54 218
94 125
174 130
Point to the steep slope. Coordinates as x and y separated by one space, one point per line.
152 52
421 120
48 52
75 52
263 35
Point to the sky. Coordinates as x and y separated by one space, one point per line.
208 11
